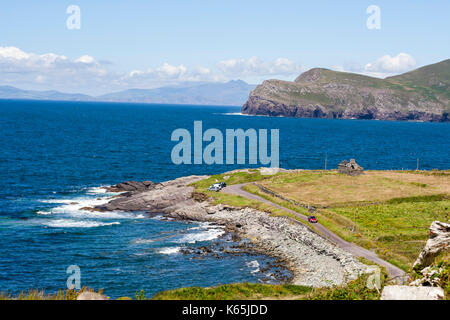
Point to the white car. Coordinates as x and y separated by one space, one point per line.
215 187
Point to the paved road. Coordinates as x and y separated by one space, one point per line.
394 272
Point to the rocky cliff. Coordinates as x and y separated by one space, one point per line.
422 95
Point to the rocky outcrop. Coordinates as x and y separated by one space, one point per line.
130 186
350 168
439 240
411 293
430 277
420 95
158 198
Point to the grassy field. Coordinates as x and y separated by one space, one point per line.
385 211
354 290
328 188
389 212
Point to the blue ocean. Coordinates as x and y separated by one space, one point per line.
56 156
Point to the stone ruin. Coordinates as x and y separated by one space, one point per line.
351 168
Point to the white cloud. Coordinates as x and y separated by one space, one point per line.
383 67
88 75
255 66
386 64
13 53
168 74
50 71
85 59
169 71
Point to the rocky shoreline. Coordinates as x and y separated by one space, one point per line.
312 260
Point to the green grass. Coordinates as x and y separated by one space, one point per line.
353 290
35 294
231 178
235 291
397 230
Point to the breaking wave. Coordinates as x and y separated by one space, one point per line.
207 232
75 212
68 223
169 250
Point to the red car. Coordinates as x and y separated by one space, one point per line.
312 219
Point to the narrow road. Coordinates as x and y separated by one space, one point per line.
394 272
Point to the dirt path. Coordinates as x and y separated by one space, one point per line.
394 272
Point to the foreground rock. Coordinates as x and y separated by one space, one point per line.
430 277
313 260
91 296
411 293
439 240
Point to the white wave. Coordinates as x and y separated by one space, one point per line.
162 218
169 250
102 190
143 241
70 213
243 114
74 208
43 212
68 223
209 233
96 190
58 201
253 264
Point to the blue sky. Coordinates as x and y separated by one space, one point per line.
137 43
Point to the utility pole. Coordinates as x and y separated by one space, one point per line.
417 168
326 158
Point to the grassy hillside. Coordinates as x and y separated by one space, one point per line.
422 94
434 77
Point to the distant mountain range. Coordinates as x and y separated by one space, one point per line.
233 93
422 94
8 92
